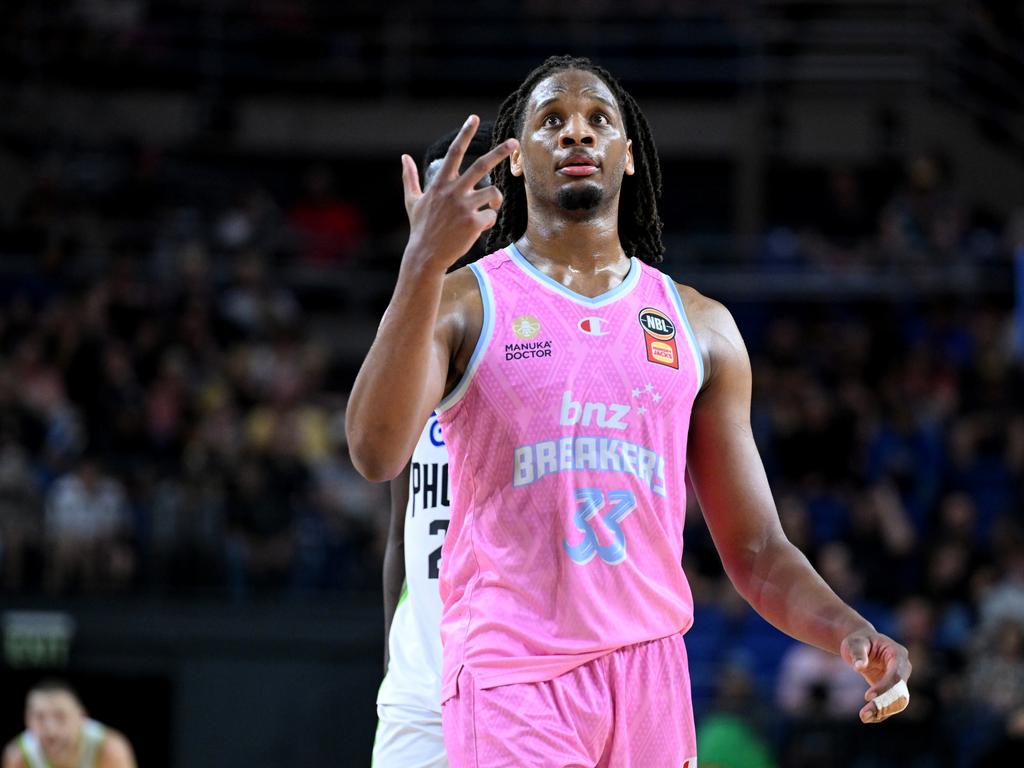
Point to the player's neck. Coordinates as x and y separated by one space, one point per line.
589 247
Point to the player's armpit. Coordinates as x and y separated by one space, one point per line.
459 323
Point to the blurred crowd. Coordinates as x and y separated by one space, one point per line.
177 435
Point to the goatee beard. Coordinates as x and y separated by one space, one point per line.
583 197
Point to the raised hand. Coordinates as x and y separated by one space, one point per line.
884 664
450 215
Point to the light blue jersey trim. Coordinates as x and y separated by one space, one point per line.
670 285
628 283
486 332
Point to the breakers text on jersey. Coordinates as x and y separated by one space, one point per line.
600 454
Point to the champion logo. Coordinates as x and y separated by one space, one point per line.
593 326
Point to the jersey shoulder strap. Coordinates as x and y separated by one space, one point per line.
93 734
32 751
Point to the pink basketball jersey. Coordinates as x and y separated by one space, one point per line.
567 437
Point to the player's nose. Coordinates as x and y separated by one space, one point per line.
576 130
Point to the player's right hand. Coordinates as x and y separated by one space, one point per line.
448 218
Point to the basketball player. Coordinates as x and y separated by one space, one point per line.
409 700
59 735
579 387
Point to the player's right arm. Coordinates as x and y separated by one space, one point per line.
394 554
13 757
414 358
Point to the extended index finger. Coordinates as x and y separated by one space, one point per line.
486 163
457 149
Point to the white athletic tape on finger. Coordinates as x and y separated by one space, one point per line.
885 700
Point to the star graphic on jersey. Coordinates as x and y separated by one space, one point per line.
656 397
641 410
648 387
636 392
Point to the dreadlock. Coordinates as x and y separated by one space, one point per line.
639 223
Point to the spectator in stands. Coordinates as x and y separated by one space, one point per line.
995 683
1004 601
59 733
1009 746
255 305
811 684
252 221
87 531
20 516
263 503
330 229
729 737
925 216
881 534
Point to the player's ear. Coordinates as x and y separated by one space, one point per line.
630 166
515 162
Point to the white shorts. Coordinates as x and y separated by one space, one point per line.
408 737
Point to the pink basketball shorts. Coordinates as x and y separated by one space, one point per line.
628 709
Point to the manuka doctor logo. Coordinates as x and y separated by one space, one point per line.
527 327
527 349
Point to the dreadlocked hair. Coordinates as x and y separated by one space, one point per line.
639 223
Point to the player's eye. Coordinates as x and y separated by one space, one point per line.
600 118
551 121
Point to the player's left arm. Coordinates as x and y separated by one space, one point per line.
765 567
115 752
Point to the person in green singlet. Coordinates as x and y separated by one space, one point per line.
59 734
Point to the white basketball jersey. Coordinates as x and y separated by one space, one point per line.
414 670
93 734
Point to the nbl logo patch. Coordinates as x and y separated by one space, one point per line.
659 337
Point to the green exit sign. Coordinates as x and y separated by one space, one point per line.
37 639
